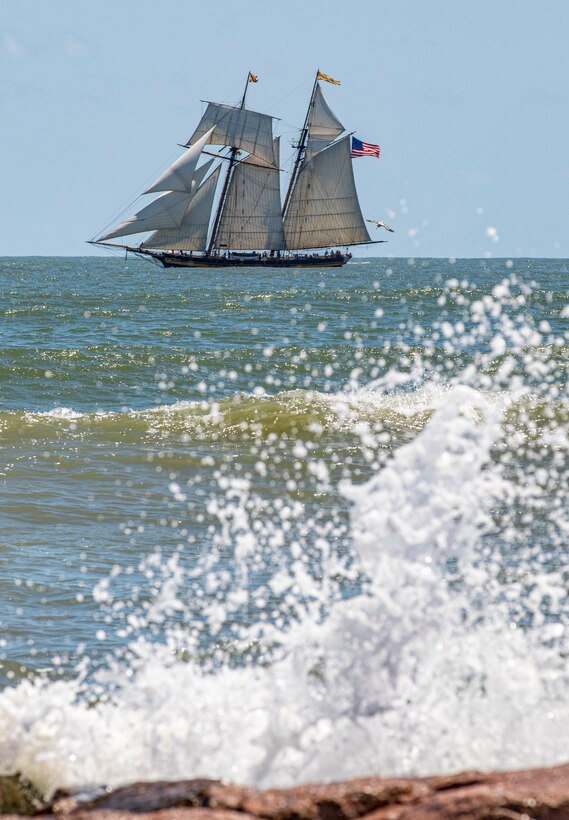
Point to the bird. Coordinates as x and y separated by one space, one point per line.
381 224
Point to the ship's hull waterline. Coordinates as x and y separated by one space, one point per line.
179 261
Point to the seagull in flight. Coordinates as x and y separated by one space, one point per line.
381 224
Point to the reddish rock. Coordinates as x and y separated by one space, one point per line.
537 794
179 813
315 801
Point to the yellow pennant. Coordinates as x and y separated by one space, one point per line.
328 78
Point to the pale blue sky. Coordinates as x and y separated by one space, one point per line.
468 100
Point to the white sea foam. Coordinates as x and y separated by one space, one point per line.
410 677
425 670
345 406
341 410
60 413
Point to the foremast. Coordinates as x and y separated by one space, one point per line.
231 166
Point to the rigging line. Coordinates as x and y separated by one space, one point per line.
294 128
228 99
303 83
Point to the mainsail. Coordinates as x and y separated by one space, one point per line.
251 217
191 234
323 209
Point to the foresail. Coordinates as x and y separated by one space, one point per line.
239 128
165 212
191 234
324 210
252 217
323 125
179 176
200 174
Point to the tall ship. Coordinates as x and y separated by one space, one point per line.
223 208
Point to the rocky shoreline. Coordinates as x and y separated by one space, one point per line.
530 794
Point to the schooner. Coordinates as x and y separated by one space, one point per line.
245 224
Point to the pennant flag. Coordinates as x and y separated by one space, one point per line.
328 78
253 78
364 149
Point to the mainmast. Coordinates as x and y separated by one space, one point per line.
321 208
232 162
301 145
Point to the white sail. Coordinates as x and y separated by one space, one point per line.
200 174
251 218
165 212
191 234
239 128
323 125
323 209
179 176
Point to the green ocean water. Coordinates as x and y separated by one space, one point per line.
208 430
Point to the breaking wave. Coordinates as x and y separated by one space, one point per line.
298 413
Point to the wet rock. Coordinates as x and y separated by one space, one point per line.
162 814
144 797
537 794
334 801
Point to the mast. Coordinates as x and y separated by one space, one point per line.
301 146
232 160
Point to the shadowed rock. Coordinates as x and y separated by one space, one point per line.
146 797
18 796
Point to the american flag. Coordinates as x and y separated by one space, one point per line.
364 149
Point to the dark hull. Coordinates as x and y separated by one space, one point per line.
173 260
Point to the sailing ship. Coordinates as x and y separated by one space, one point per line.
246 225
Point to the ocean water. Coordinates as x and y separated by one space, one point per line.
276 526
